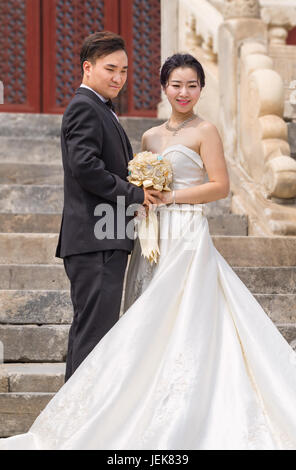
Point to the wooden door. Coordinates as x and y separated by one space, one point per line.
65 24
20 55
140 27
40 43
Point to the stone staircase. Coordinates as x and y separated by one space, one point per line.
35 308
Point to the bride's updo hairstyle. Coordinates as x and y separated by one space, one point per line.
181 60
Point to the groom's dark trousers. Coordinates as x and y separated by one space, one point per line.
95 152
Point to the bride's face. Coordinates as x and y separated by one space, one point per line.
183 89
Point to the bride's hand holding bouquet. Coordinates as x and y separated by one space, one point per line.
154 174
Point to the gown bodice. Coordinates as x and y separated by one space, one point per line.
188 168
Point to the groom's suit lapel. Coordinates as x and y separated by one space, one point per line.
107 112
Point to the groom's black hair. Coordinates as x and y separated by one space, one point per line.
100 44
181 60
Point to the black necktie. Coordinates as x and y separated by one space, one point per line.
110 105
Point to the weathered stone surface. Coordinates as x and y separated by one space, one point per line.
292 138
4 384
18 411
289 332
22 307
43 377
27 199
280 308
30 125
17 248
268 280
220 207
26 402
135 127
30 150
34 343
263 280
31 173
55 307
257 251
49 125
30 223
228 224
32 276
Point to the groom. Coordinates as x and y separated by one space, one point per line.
96 152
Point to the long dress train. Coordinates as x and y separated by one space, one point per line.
194 363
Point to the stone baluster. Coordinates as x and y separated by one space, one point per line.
279 20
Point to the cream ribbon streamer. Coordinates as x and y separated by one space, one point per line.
148 236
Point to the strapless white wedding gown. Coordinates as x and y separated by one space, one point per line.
194 363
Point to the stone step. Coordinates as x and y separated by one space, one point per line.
33 277
41 307
39 248
31 173
38 150
260 280
31 199
226 224
30 150
135 127
268 280
257 251
32 343
35 307
34 377
220 207
48 199
30 125
50 223
18 411
49 125
28 248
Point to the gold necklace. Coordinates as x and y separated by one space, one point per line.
175 130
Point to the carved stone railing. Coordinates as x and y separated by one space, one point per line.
263 174
245 97
264 150
279 17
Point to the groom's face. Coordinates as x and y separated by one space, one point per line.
107 74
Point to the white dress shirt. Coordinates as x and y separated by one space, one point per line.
99 96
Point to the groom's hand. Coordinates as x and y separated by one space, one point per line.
152 196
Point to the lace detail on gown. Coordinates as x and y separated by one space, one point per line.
55 425
176 383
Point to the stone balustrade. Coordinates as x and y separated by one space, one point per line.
279 17
265 152
200 21
249 90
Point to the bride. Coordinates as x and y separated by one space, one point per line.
194 363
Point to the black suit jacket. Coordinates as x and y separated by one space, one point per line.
95 152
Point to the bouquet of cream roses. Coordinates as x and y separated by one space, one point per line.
150 170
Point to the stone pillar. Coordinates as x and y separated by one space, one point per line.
232 33
169 42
